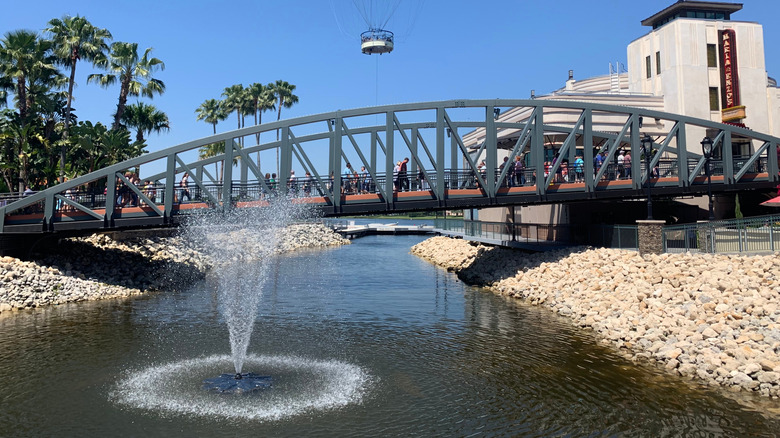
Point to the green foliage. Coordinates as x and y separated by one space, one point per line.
94 146
132 71
40 131
145 118
737 208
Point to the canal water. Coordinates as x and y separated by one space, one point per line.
361 340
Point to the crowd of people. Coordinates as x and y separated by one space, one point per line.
515 173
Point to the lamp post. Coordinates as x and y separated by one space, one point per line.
647 149
706 148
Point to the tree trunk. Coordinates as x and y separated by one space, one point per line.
73 58
278 117
21 88
120 107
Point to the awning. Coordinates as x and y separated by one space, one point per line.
774 202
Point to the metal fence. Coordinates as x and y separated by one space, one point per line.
609 236
747 235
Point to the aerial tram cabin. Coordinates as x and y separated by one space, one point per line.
376 41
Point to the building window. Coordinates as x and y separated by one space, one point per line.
712 55
658 63
648 67
714 99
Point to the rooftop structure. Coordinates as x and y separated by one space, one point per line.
693 9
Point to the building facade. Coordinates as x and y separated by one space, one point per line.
695 61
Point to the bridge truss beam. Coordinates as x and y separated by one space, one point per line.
547 139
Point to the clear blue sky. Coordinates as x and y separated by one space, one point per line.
455 49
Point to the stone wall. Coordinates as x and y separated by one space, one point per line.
99 267
706 316
650 235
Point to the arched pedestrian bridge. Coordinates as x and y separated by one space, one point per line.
446 143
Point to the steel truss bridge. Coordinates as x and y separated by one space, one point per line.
444 170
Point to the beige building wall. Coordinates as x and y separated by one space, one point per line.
685 77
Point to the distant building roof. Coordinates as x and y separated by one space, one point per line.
693 9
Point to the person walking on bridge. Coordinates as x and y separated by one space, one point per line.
184 185
403 175
346 176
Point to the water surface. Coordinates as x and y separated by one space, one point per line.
434 357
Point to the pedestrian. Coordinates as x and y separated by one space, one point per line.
292 183
307 180
346 175
403 175
627 164
396 172
507 182
365 179
621 161
184 186
598 161
519 171
578 168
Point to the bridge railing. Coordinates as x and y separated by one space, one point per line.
603 235
361 184
747 235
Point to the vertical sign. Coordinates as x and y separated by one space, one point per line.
729 76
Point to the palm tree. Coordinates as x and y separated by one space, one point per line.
23 60
212 111
26 65
6 85
75 38
262 99
133 72
235 100
283 91
145 118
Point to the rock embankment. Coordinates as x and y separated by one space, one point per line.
98 267
711 317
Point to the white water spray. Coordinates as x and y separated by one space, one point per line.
242 244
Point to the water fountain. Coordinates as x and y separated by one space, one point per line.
243 245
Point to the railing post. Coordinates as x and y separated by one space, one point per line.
636 135
772 162
728 159
491 154
108 219
440 154
373 153
168 194
412 174
198 189
286 159
682 157
587 152
537 151
244 177
48 211
389 157
227 174
336 163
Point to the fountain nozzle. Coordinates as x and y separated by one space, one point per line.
238 376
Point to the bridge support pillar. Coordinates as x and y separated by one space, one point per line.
650 235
